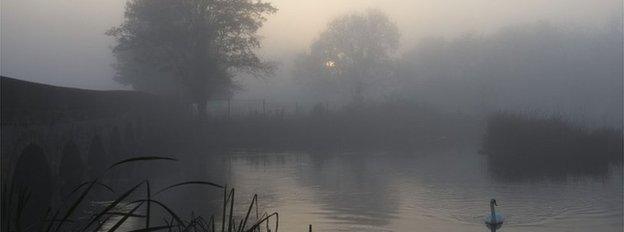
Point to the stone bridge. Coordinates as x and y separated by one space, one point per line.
54 138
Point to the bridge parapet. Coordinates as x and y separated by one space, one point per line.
74 128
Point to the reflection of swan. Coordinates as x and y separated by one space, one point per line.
494 220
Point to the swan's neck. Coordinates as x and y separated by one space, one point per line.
493 212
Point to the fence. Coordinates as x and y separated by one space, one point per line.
238 108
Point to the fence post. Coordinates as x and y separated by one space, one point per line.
263 106
228 108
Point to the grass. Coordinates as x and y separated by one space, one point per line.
520 146
68 217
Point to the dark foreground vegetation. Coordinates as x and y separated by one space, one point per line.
521 147
75 211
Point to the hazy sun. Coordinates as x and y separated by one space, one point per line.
330 64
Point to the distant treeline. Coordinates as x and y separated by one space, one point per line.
522 67
520 146
534 66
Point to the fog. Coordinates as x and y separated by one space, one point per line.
63 41
418 19
367 115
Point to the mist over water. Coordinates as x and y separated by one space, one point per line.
346 115
416 191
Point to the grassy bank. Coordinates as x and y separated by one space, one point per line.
382 126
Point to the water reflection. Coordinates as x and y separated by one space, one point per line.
431 191
506 168
439 190
355 189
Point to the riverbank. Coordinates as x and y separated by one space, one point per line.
381 126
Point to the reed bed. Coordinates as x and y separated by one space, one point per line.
138 198
519 146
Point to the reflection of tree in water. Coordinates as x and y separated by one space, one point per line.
351 186
261 159
521 147
195 200
513 169
392 191
255 169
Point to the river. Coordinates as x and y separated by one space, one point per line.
438 190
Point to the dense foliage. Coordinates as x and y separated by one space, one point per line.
189 47
351 57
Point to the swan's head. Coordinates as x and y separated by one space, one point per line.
493 202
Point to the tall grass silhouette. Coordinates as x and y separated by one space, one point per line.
111 217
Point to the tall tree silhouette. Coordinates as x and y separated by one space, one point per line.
351 55
189 47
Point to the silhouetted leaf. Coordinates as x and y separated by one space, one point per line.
111 206
75 205
155 228
124 218
124 214
189 183
257 224
174 215
85 183
142 158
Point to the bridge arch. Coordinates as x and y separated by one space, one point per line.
32 174
97 158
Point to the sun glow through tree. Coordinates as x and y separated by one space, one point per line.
330 64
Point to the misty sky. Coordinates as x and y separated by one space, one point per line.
62 42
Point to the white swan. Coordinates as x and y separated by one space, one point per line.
494 221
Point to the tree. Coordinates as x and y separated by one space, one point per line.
189 47
352 54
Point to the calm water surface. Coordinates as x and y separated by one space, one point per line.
438 191
402 191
